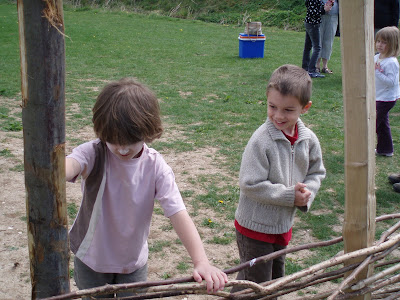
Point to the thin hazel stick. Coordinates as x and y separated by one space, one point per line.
387 217
390 290
387 293
393 296
168 294
197 287
389 232
389 262
287 291
335 273
279 253
113 288
322 295
180 289
363 283
202 286
384 254
323 280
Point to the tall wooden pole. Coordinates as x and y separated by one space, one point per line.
42 49
357 40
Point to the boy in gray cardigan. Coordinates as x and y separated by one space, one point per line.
281 171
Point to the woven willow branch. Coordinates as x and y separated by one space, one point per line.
286 285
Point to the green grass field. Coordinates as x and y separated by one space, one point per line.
215 98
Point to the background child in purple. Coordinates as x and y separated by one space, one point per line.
387 89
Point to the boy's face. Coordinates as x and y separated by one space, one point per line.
126 152
284 111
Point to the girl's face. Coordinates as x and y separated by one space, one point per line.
126 152
381 46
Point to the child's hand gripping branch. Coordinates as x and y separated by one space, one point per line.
190 238
301 194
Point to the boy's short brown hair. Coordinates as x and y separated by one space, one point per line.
391 36
126 112
291 80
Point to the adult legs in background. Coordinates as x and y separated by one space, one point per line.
327 34
306 51
86 278
312 41
383 132
261 272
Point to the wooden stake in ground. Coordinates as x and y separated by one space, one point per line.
357 39
42 48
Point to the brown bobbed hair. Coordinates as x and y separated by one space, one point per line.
291 80
390 35
126 112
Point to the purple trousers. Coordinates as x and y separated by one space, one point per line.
383 132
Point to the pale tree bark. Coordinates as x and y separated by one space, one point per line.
42 49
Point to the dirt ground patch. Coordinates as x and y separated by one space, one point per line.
14 257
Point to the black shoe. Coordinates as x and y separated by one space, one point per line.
394 178
396 187
384 154
316 75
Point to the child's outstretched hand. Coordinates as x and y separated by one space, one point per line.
213 276
301 194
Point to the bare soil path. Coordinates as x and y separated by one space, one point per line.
14 258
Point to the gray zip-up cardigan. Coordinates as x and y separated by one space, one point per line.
270 168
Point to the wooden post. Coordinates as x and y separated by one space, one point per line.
357 40
42 49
